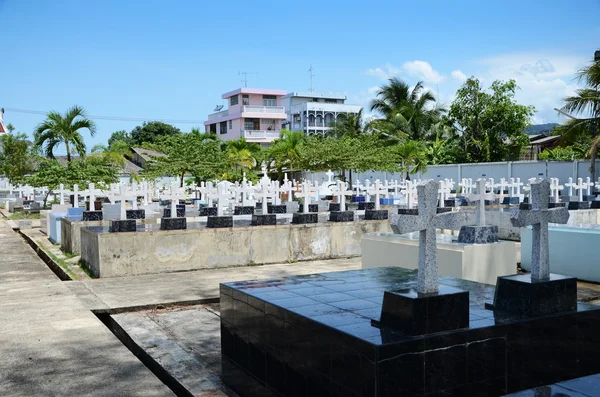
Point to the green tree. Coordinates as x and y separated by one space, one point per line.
50 173
241 156
350 125
10 128
569 153
16 156
490 124
442 149
286 152
412 155
120 136
193 153
64 129
117 153
407 112
152 132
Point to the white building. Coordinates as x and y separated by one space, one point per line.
313 113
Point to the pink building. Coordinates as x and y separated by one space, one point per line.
254 113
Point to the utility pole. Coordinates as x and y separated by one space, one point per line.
245 74
310 71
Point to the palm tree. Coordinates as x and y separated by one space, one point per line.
350 126
586 102
286 151
116 153
412 155
410 111
64 129
242 154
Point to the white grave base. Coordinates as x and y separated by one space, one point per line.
573 250
483 263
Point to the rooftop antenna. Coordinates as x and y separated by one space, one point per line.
310 71
245 74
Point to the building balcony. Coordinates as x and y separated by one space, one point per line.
325 107
260 136
264 112
219 115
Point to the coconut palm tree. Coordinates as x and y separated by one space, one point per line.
287 150
349 126
411 111
64 129
413 156
242 154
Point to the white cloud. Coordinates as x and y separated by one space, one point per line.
458 75
420 69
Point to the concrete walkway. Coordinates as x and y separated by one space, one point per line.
146 291
50 344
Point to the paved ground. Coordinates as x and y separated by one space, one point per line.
187 287
50 344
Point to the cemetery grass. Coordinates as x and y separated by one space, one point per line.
19 216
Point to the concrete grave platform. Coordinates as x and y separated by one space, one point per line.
482 263
147 252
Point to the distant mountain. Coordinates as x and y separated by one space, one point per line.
545 129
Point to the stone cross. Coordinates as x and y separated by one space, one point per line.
426 223
306 193
481 196
467 186
62 194
555 189
408 193
588 186
367 189
286 187
174 195
357 186
443 191
122 210
341 194
223 197
579 188
75 196
502 185
92 196
265 193
570 185
377 190
330 175
538 217
246 191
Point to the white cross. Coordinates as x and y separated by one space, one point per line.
358 187
408 192
75 196
92 196
330 175
481 196
367 189
223 197
286 187
341 194
588 186
246 191
174 194
62 193
570 185
555 188
502 185
307 192
377 190
579 187
443 191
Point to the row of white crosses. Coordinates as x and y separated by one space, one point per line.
580 186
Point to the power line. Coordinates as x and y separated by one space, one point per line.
113 118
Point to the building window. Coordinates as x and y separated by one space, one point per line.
233 100
330 101
269 100
223 127
245 99
230 124
213 128
251 124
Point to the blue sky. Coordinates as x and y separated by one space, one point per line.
173 60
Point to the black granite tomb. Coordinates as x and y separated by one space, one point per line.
587 386
556 205
589 197
208 211
341 216
277 209
595 204
579 205
511 200
478 234
180 212
92 216
519 295
415 211
311 208
300 219
450 203
312 336
263 220
376 215
173 223
135 214
366 205
219 221
127 225
336 207
246 210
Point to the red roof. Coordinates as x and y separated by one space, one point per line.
2 130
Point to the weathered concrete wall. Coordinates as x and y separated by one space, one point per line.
126 254
70 234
